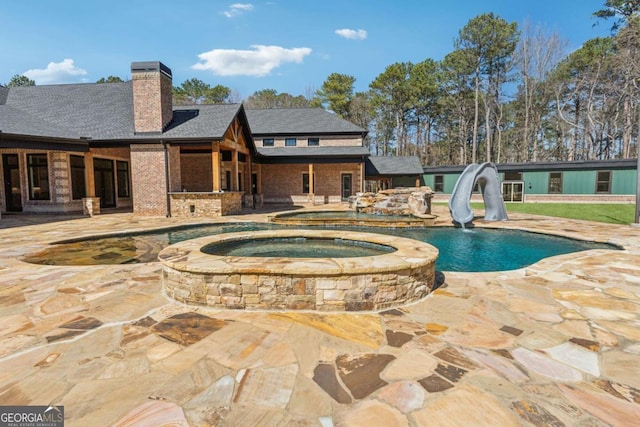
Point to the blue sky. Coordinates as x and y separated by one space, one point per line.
287 45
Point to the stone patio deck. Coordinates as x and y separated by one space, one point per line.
557 343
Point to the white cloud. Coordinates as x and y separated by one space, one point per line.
237 9
257 62
352 34
56 72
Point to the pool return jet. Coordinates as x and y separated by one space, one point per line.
485 175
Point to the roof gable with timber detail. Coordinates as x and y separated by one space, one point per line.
238 135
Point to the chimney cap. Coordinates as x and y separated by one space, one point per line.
146 66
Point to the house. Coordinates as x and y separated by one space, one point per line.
91 147
606 181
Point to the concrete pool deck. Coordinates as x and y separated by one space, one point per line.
556 343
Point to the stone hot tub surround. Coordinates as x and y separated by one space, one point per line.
325 284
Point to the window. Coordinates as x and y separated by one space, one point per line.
78 190
555 182
513 176
438 183
305 183
290 142
603 182
226 155
122 169
227 180
240 181
313 142
242 158
38 170
267 142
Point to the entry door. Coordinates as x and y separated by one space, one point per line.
346 186
12 190
513 191
105 182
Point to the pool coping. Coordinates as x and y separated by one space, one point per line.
187 256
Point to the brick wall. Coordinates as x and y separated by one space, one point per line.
283 183
175 167
196 172
152 101
149 182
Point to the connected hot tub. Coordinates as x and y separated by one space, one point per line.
326 270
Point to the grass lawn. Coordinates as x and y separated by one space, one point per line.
611 213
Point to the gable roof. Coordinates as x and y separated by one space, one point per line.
102 112
299 121
392 166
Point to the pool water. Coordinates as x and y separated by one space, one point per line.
474 250
297 247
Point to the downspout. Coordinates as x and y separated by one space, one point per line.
637 218
166 176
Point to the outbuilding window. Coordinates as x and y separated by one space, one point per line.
603 182
290 142
313 142
555 182
438 183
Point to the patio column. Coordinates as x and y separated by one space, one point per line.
89 176
361 177
215 166
90 203
312 196
235 184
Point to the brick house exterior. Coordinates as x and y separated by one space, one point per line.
91 147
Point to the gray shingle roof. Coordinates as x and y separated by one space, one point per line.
104 112
199 121
299 121
384 165
101 112
98 111
14 121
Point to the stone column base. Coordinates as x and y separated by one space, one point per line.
91 206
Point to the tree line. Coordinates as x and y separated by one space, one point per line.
505 93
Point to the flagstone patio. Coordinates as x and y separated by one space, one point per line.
556 343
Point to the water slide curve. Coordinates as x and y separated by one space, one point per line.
486 175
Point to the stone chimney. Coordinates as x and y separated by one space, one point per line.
152 98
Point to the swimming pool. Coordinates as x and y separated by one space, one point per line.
474 250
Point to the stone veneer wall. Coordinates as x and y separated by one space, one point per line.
193 205
325 284
375 291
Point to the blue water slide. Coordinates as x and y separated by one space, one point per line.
486 176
